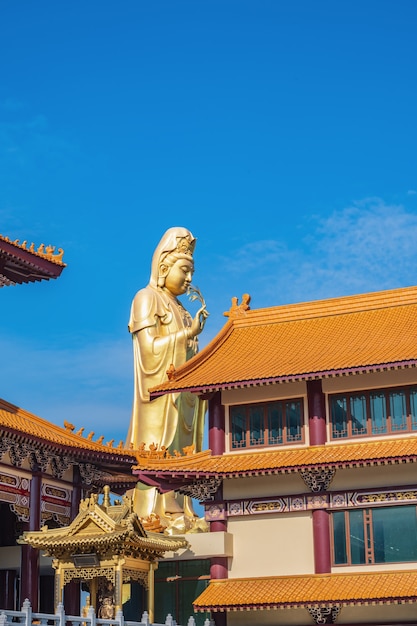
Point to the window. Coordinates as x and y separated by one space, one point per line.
378 412
380 535
177 585
266 424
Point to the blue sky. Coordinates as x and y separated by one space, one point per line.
283 134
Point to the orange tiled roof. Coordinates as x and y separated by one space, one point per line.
307 340
382 451
308 591
22 263
15 420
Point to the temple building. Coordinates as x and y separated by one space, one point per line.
309 485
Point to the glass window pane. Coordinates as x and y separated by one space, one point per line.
339 537
238 426
256 426
165 601
398 410
293 419
394 534
413 408
358 414
339 417
357 538
275 423
165 570
194 569
188 591
378 413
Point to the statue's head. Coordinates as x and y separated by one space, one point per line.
176 243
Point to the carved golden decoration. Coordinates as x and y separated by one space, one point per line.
47 252
171 372
88 573
238 310
156 452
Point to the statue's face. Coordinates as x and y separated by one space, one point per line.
178 277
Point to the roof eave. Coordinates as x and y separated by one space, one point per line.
256 382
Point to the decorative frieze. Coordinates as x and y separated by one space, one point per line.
15 490
311 502
56 504
55 500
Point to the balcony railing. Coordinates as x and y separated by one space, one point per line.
26 617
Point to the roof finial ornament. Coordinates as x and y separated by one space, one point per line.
238 310
106 494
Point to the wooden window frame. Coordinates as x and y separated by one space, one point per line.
368 535
248 444
390 429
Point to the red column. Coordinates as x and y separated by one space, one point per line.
217 442
321 538
72 593
76 492
316 413
29 584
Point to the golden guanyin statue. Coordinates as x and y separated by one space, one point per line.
164 337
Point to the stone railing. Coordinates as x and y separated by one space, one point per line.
26 617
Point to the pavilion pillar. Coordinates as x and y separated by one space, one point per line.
151 592
316 413
29 584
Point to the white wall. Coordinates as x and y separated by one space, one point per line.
272 545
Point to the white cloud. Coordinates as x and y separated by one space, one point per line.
368 246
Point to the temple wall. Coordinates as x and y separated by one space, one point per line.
263 486
272 545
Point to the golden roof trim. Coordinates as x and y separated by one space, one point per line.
42 251
346 454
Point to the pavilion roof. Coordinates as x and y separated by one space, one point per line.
102 529
20 425
309 591
339 336
20 263
185 470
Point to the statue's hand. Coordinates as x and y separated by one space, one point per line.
199 321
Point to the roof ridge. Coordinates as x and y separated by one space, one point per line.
330 306
42 251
